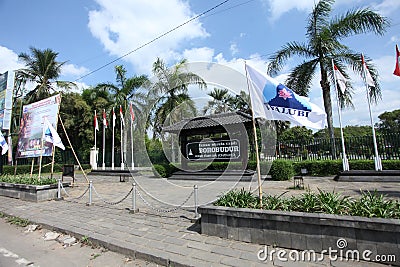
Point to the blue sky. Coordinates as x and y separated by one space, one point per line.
91 33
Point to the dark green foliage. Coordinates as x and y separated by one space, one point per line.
318 167
164 170
367 205
281 170
333 167
24 169
238 199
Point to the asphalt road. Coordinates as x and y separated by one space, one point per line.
18 248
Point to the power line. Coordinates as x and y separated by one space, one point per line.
153 40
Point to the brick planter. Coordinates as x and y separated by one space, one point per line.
303 231
33 193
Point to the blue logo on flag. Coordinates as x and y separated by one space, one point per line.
284 97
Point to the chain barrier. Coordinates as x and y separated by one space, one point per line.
161 210
112 203
68 195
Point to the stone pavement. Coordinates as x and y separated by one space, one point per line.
163 230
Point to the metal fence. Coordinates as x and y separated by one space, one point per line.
360 147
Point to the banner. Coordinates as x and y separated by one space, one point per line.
32 123
6 94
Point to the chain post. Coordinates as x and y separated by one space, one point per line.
59 190
134 209
90 192
196 202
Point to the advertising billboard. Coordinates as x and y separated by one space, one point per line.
32 123
6 94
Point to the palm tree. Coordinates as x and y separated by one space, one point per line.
323 44
172 84
220 102
42 69
126 89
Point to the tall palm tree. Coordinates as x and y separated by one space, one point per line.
220 102
126 89
43 69
171 88
323 44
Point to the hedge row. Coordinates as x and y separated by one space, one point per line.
23 169
285 169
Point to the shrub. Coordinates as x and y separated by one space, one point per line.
159 170
238 199
164 170
281 170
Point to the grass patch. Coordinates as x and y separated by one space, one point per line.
17 221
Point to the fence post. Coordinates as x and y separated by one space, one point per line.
134 209
90 193
59 190
196 202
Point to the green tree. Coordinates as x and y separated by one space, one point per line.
171 88
220 103
77 117
125 89
324 36
43 69
389 122
298 135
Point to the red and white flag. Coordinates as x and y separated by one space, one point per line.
114 117
96 123
368 78
397 69
340 79
105 123
122 115
131 111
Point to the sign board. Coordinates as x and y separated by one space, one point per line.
6 94
31 130
221 149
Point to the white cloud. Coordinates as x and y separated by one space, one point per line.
279 7
9 60
72 70
128 25
203 54
387 7
234 49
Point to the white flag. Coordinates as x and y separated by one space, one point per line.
340 79
368 78
3 144
113 117
96 123
50 135
272 100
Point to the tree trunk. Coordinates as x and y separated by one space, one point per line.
326 93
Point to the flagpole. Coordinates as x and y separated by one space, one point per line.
41 153
122 142
345 161
256 142
52 161
377 159
132 163
95 137
104 141
112 146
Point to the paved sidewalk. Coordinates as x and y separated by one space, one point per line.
164 233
